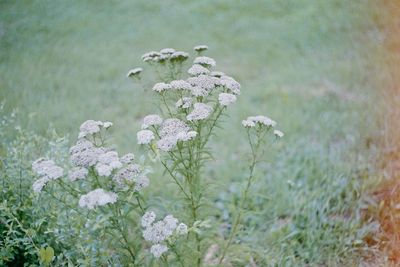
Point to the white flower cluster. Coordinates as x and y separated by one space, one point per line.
151 120
193 101
144 137
47 170
127 158
205 61
181 85
157 232
77 173
165 54
231 84
161 87
200 48
278 134
107 162
226 99
87 157
97 197
185 102
171 132
260 120
84 153
200 111
91 127
134 72
197 69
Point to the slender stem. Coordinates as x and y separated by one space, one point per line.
166 105
140 205
122 233
178 256
244 195
67 205
212 127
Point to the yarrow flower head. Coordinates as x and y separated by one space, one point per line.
197 69
77 173
199 92
179 56
141 182
89 127
157 232
39 184
200 48
204 81
151 56
260 119
158 249
171 127
180 85
201 111
107 162
129 173
248 123
84 153
218 74
151 120
107 124
182 229
205 61
144 137
231 84
134 72
226 99
127 158
169 132
161 87
97 197
185 102
186 136
278 134
148 218
167 143
47 168
167 51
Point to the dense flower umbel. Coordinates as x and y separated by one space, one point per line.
200 112
205 61
134 72
47 170
200 48
260 120
90 159
158 232
151 120
226 99
97 197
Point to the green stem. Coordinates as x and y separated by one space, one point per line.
244 196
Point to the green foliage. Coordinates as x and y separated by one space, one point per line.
306 62
23 224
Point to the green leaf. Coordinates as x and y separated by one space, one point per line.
46 255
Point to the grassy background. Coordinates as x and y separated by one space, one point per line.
305 63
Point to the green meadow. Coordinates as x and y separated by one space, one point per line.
304 63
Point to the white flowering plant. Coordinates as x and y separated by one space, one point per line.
106 189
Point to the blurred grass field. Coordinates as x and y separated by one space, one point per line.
304 63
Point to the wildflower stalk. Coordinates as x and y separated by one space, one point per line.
119 228
254 151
